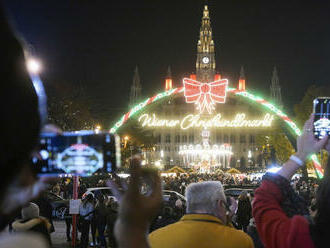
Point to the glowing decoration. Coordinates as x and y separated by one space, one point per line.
241 84
204 157
217 77
245 94
168 84
317 165
196 121
205 95
206 150
193 76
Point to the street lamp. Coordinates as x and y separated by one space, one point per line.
33 66
97 128
126 138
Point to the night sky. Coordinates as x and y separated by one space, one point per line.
99 43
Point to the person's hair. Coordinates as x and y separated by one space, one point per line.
203 197
320 228
20 120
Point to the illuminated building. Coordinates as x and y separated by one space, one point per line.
177 122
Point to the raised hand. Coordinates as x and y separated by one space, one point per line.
307 144
136 210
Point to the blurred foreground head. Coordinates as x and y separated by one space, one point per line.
20 120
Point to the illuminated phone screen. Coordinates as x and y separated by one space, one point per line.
77 153
321 117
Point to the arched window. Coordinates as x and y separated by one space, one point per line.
191 138
225 138
184 138
177 139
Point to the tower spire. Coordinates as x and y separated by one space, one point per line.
168 79
275 88
136 88
205 64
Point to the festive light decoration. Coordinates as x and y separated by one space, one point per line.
205 95
204 156
241 84
193 76
245 94
317 166
216 155
168 84
217 77
215 121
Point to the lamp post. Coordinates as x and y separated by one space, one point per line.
33 65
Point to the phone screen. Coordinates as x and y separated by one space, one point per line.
77 153
321 117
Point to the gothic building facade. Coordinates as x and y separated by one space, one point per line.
169 140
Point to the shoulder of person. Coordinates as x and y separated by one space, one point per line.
21 225
241 237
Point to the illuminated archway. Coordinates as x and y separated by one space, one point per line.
290 125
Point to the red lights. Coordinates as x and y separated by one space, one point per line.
217 77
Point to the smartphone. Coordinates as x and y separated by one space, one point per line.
321 117
80 153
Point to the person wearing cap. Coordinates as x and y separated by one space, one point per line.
32 222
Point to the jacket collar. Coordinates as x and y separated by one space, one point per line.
201 217
24 225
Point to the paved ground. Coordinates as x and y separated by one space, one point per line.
59 236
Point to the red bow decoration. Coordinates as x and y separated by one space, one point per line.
205 95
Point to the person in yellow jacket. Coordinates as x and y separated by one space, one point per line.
204 225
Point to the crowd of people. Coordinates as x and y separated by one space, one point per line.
98 212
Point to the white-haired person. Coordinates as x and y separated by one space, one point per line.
206 224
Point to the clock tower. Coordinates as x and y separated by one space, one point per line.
205 64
